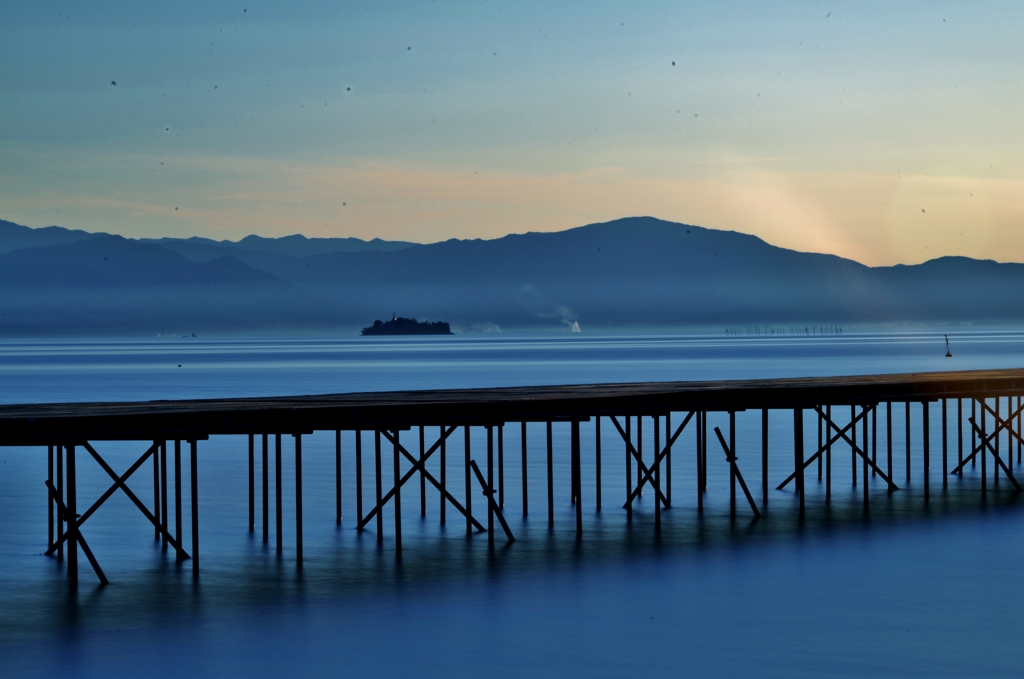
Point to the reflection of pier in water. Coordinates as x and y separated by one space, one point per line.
972 408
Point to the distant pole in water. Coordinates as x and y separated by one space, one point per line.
948 353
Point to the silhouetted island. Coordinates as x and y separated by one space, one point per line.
407 326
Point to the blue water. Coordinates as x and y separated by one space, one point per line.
911 590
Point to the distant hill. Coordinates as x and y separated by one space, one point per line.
637 271
15 236
111 284
202 249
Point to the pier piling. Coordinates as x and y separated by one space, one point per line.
194 497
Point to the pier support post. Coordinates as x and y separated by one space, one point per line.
576 461
278 493
974 439
501 466
704 455
526 504
337 477
179 551
51 506
828 459
72 507
423 478
397 497
444 472
629 471
551 482
874 439
945 446
469 490
359 482
657 476
1010 432
298 499
194 479
732 467
925 441
798 454
163 495
995 425
960 434
984 433
377 477
853 446
864 458
252 484
60 493
597 462
668 459
888 441
572 474
266 488
764 455
821 421
639 454
700 495
490 485
908 440
156 492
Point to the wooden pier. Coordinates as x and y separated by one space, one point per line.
985 406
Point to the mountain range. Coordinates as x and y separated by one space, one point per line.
637 271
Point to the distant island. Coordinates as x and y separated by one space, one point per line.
407 326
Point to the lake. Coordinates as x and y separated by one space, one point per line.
908 590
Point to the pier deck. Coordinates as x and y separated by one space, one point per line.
45 424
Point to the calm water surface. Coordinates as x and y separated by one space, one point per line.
910 591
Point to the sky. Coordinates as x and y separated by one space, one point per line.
883 132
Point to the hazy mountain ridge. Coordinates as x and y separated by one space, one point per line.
634 271
296 245
17 237
115 261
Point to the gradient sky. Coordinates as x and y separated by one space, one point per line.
885 132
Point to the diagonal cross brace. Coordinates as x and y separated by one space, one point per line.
834 439
1005 423
131 496
62 514
731 457
821 450
1000 425
986 443
649 474
119 482
417 466
103 498
489 493
641 467
408 475
982 439
856 449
